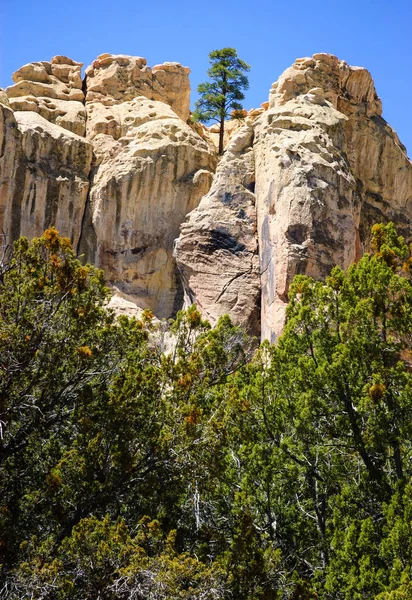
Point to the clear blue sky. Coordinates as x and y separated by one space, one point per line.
268 34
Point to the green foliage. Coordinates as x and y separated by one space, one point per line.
220 97
208 471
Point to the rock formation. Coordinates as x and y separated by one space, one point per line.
113 162
144 184
44 176
327 166
150 170
53 90
217 252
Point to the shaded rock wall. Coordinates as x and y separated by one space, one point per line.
44 173
217 252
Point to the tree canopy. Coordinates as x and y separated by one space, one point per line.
220 97
209 471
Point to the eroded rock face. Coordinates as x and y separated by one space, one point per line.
53 90
113 164
44 173
327 167
150 170
113 79
217 252
149 167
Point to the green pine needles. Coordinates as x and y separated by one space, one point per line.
210 471
220 97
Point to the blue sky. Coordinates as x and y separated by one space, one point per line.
268 34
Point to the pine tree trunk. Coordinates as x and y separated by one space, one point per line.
221 134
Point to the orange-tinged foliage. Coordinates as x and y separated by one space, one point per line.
85 351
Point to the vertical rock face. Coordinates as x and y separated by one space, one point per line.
150 170
44 173
114 167
112 162
327 167
217 252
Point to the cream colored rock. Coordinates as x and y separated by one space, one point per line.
53 90
4 98
117 120
69 115
151 169
347 88
60 79
113 79
327 167
231 127
216 252
122 307
43 176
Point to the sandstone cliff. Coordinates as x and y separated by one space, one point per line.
120 188
327 166
112 162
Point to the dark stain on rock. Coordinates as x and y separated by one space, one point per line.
227 198
297 234
221 240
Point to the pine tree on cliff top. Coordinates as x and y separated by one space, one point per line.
222 95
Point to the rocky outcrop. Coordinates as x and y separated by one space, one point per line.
113 79
327 167
150 170
147 176
53 90
113 162
44 173
149 167
217 252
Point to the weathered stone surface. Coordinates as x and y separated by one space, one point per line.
302 180
43 176
4 98
60 78
113 79
327 167
70 115
53 90
232 126
150 170
217 252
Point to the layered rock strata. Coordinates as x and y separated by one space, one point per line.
53 90
114 79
